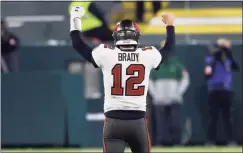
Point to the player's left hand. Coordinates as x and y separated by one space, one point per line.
77 12
168 18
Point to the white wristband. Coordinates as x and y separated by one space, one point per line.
75 24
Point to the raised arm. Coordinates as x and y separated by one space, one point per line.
225 46
228 53
169 46
75 32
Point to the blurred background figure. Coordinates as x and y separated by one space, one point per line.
167 86
218 72
94 25
156 5
9 49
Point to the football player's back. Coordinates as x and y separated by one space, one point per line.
126 76
126 70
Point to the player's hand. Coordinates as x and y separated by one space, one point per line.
168 18
77 12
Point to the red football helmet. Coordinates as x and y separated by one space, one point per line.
127 34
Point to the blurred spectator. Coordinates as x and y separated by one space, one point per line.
140 9
9 49
167 86
218 72
94 26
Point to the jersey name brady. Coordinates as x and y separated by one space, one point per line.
128 56
126 75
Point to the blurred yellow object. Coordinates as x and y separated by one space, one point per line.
197 29
192 29
147 5
129 11
182 12
165 4
204 12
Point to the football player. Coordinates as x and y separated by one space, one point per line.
126 68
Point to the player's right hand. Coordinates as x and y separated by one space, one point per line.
77 12
168 18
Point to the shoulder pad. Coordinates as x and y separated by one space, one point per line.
147 48
103 47
108 46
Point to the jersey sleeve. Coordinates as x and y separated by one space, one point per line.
99 54
208 60
156 58
96 56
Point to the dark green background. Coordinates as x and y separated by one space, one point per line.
43 104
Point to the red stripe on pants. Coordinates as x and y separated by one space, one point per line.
148 136
104 146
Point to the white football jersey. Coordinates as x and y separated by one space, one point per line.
126 75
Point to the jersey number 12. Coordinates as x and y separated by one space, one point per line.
129 89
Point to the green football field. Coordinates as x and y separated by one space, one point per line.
154 149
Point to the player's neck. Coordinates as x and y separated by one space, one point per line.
127 48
